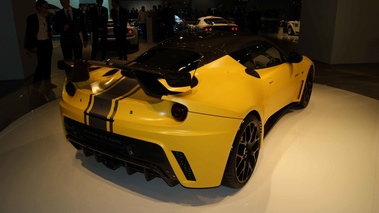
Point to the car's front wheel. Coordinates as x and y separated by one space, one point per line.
307 91
244 153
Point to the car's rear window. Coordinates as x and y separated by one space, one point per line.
173 59
215 21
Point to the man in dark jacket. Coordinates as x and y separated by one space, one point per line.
70 24
99 22
38 41
120 19
166 21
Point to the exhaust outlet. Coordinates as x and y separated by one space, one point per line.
111 163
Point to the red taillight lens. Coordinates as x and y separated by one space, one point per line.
179 112
130 32
207 29
234 28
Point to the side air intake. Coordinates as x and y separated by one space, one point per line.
184 165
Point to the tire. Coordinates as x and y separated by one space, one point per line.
307 91
244 153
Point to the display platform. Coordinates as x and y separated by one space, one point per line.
324 158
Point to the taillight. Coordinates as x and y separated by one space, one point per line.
234 28
179 112
208 29
130 31
70 88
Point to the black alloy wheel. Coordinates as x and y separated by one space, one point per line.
244 154
307 92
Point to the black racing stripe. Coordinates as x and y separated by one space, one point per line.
124 86
97 122
129 94
116 106
112 116
99 112
102 103
86 110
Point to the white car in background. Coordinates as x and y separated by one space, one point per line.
293 27
212 23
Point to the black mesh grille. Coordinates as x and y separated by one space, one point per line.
135 155
184 165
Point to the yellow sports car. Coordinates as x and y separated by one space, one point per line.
192 110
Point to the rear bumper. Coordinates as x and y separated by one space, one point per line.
115 150
193 153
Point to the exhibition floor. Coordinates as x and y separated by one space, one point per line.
324 158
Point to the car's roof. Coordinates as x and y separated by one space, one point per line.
212 45
205 17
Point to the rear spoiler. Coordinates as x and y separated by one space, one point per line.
155 82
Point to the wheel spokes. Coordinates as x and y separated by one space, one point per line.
308 90
308 87
248 151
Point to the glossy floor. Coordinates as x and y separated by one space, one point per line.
324 158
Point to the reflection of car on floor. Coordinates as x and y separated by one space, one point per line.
192 110
132 38
212 23
293 27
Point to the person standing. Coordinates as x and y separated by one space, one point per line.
70 24
38 41
166 21
99 28
141 20
154 20
120 19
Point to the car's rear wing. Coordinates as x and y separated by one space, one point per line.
155 82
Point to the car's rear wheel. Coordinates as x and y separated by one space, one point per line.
307 92
244 153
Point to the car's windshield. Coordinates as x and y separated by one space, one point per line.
172 59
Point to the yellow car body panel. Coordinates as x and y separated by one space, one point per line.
217 105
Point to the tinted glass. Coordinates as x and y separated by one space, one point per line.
171 59
215 21
257 56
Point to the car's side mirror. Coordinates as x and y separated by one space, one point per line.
295 57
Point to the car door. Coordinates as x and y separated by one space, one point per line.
279 77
